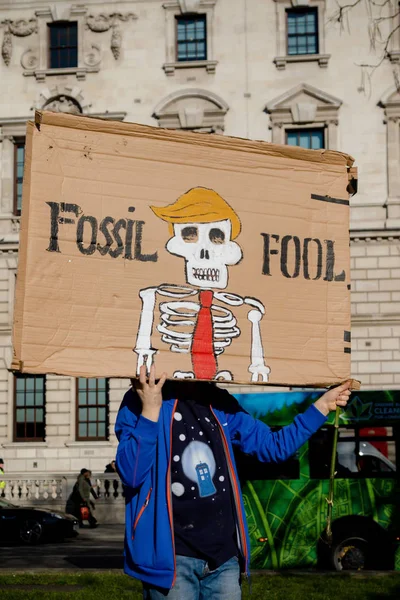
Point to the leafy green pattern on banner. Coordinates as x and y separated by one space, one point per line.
287 517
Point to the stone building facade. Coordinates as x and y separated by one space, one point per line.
273 70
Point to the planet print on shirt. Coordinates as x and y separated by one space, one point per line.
198 464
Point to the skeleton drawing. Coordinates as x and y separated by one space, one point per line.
198 319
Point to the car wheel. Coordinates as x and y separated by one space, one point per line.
30 532
350 554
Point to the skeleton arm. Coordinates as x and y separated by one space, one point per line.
257 368
143 341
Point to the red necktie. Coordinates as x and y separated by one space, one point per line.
203 357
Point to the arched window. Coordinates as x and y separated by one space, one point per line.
195 110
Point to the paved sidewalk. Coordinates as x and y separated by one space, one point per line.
99 548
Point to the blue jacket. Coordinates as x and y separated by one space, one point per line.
143 463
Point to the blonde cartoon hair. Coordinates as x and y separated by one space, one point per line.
198 205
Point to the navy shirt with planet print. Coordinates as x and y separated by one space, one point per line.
204 522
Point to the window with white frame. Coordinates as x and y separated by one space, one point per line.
189 35
191 38
60 48
63 44
305 116
310 138
302 30
19 161
300 27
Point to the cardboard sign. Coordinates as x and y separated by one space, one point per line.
217 258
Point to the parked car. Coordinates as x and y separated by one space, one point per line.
370 460
31 525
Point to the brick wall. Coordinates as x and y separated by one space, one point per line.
375 305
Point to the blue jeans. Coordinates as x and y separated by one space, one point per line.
195 581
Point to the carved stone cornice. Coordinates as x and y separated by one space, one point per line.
19 28
104 22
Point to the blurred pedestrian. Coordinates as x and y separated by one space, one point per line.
85 491
80 497
110 468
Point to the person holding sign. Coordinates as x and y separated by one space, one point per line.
186 533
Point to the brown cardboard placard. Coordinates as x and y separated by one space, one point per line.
219 258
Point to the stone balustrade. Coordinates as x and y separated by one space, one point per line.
52 490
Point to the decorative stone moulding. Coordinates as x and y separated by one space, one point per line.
63 98
92 57
19 28
281 61
104 22
30 59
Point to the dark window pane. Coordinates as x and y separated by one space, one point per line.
191 51
306 138
316 140
92 414
20 415
191 38
20 383
92 408
29 399
39 398
30 415
26 396
201 50
82 398
302 30
30 429
63 51
20 430
19 158
30 383
102 398
92 430
40 430
53 58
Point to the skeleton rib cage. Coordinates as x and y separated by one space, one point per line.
178 319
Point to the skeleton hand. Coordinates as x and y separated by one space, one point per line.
145 357
259 372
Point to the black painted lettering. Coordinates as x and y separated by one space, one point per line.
107 235
330 263
121 224
56 220
93 238
266 268
54 216
284 256
129 237
306 271
138 245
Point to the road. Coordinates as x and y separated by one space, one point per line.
99 548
